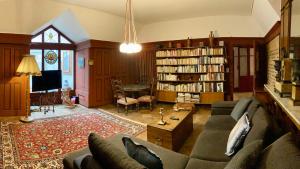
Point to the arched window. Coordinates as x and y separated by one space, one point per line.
54 51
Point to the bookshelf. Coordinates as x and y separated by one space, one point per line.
194 74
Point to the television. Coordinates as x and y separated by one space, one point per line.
50 79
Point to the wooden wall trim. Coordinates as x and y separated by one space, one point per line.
274 32
97 44
17 39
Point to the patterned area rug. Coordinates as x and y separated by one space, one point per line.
43 143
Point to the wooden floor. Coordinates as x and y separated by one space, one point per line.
146 116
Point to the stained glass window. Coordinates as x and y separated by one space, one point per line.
64 40
46 47
38 38
67 62
51 36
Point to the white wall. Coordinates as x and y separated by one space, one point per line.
224 26
265 15
295 29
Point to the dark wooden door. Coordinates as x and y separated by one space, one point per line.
244 69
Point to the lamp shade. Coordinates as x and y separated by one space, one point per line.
28 66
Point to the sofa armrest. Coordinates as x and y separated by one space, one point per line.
90 163
69 159
222 107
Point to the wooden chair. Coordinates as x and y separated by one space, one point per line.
150 99
121 98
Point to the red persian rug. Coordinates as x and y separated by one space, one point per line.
43 143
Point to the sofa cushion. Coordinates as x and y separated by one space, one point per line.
170 159
211 145
141 154
247 157
237 135
204 164
240 108
282 154
89 162
252 107
109 156
222 107
220 122
68 160
260 126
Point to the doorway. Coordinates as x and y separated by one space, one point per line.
244 69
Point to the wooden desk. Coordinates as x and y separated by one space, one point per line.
174 133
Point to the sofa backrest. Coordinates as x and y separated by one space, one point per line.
282 154
252 107
260 126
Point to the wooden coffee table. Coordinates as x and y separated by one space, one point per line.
174 133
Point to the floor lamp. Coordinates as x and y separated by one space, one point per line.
27 67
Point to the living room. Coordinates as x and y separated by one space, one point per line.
194 84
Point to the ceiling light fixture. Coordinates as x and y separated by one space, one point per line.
130 44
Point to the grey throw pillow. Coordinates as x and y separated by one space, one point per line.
240 108
247 157
109 156
237 135
142 154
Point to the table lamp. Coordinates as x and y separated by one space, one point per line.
27 67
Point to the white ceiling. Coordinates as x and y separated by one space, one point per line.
149 11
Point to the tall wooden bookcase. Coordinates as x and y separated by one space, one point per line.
194 74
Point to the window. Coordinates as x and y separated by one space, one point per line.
54 51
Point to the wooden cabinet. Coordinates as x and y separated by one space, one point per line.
209 98
167 96
174 134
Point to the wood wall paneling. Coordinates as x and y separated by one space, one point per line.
12 87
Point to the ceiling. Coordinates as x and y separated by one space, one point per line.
149 11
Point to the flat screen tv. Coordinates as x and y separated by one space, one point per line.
50 79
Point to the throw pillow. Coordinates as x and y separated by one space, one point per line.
110 156
240 108
141 154
247 157
237 134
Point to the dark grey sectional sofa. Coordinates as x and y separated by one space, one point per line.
208 151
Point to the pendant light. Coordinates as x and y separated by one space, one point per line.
130 44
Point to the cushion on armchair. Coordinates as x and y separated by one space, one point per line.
247 157
237 135
142 154
110 156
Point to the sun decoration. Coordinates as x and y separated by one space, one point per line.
51 57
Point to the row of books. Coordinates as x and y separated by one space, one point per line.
168 77
190 52
191 61
192 87
190 69
212 77
188 97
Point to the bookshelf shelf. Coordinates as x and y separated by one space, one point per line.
190 81
187 72
204 66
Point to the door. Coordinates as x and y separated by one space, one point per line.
244 68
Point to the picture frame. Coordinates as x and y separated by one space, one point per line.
81 62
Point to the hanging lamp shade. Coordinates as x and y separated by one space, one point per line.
28 66
130 44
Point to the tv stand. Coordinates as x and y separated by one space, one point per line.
47 100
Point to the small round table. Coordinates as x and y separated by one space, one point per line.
135 88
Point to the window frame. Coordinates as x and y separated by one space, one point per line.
55 46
